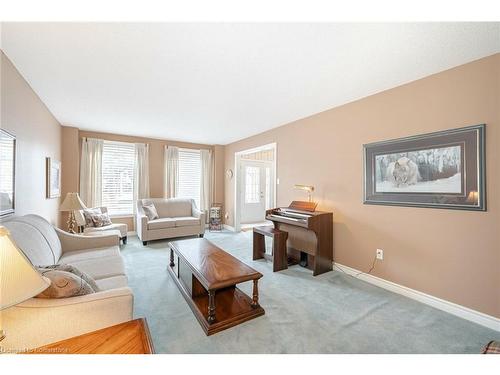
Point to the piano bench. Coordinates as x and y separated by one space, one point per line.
279 256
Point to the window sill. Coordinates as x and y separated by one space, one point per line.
121 216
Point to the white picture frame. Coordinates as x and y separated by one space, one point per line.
53 178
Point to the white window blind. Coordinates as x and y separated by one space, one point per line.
189 174
118 160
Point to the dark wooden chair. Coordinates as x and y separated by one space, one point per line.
279 254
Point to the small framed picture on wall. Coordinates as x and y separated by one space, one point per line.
53 178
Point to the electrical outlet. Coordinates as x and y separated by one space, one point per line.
380 254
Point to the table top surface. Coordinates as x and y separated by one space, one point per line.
131 337
214 267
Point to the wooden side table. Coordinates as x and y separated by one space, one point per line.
131 337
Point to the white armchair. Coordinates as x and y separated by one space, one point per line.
80 221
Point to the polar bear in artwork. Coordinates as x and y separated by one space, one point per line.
403 172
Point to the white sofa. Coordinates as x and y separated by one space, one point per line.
80 221
37 321
178 217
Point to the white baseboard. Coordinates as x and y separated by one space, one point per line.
228 227
441 304
132 233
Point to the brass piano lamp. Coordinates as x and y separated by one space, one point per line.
308 188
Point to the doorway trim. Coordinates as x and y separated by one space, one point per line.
237 179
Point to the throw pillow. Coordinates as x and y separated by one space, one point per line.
87 214
66 281
101 220
70 268
150 211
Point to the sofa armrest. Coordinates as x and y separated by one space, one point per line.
200 215
38 321
72 242
197 213
141 226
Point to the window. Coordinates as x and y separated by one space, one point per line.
189 175
118 160
252 184
268 188
6 170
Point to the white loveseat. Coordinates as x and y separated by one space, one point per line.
39 321
178 217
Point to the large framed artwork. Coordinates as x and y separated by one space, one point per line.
53 178
445 169
7 173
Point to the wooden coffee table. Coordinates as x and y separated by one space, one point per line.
207 276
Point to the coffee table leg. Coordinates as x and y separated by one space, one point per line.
172 258
211 306
255 299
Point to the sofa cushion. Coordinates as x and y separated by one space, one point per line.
166 222
122 227
186 221
46 229
31 242
101 268
48 232
75 256
112 282
172 207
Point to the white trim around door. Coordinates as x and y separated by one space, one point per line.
237 179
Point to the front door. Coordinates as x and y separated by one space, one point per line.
254 192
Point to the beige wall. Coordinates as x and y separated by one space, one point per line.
38 135
71 158
219 173
70 164
454 255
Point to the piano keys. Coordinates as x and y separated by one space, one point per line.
310 234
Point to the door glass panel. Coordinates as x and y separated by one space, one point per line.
268 188
252 185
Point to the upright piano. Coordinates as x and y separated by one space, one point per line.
310 234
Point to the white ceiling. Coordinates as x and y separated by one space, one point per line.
218 83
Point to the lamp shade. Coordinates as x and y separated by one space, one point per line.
19 281
72 202
473 197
